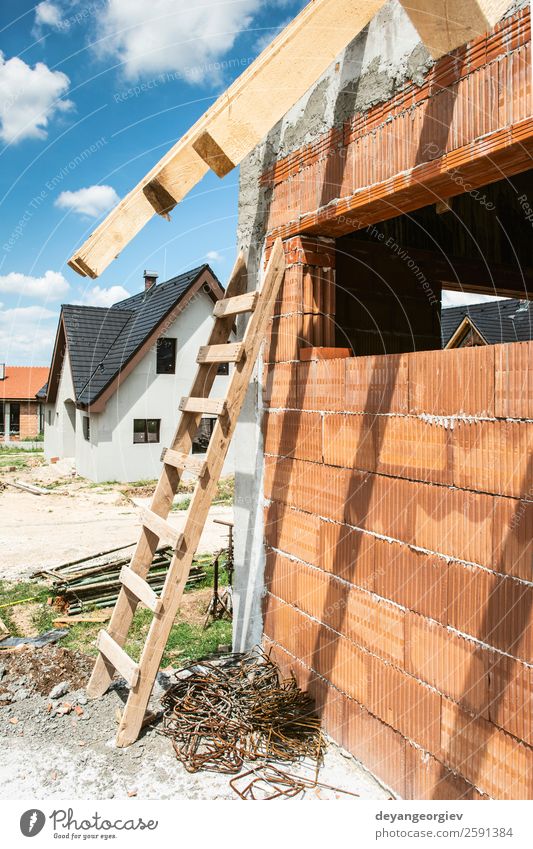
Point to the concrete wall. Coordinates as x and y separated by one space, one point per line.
60 419
110 453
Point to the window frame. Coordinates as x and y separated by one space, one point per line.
159 346
146 432
86 427
16 405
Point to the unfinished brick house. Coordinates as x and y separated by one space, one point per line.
384 510
384 487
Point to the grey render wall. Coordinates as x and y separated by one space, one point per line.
384 56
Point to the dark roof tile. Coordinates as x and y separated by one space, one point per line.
508 320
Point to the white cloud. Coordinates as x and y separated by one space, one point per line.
93 201
28 334
462 299
214 256
29 98
98 297
47 14
174 35
52 285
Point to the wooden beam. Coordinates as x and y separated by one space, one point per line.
238 120
445 26
118 658
213 406
235 306
161 200
229 353
207 148
183 461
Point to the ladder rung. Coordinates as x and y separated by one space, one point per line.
230 353
140 589
160 527
215 406
118 658
183 461
235 305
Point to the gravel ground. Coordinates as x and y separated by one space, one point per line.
64 748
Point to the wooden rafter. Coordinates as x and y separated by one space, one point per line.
445 26
260 97
234 125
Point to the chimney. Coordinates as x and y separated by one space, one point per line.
150 279
2 371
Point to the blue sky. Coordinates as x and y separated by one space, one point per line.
92 94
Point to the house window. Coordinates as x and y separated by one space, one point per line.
86 428
203 435
2 417
14 419
49 417
146 430
166 356
223 368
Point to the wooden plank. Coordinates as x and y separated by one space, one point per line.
161 200
160 527
118 658
183 461
141 560
239 119
197 514
206 147
445 26
141 590
213 406
230 353
235 306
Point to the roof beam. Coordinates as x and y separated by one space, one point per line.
445 26
235 124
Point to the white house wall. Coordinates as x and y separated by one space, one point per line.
110 454
59 437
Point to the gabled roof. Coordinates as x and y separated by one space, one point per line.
102 341
508 320
22 382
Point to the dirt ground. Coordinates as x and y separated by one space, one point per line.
63 747
76 518
55 748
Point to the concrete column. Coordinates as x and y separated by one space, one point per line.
304 316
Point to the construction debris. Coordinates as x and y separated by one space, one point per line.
220 714
27 487
93 583
37 642
268 782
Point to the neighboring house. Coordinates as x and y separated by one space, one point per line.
21 411
490 323
118 375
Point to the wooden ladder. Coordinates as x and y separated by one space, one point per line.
176 459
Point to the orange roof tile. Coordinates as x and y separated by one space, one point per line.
23 382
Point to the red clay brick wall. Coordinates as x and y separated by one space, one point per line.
399 558
29 419
403 153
